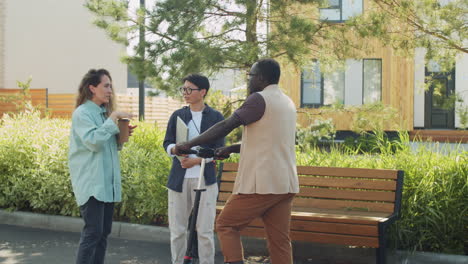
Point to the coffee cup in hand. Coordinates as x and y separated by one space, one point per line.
124 130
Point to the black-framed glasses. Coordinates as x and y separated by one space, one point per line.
249 75
187 90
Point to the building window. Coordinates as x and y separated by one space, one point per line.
371 81
433 66
333 88
311 86
340 10
318 89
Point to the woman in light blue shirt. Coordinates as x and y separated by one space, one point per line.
94 162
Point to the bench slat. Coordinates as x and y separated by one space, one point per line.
230 166
332 216
347 172
323 227
385 185
339 172
335 239
223 196
343 205
364 195
338 216
347 183
319 237
229 176
226 186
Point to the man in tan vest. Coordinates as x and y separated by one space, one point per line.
267 179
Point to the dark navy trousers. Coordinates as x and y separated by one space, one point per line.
97 216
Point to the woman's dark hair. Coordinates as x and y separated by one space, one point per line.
199 80
93 77
270 70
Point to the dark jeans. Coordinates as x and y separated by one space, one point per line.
98 224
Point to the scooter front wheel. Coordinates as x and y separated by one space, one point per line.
191 261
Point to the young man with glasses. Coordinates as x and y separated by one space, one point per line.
184 174
266 182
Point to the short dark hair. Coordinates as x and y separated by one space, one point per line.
270 70
199 80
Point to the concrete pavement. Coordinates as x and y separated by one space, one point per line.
29 238
23 245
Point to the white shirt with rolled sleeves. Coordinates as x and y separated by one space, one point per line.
194 131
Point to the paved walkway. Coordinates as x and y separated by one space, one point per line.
27 238
22 245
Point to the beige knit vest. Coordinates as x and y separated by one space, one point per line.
267 158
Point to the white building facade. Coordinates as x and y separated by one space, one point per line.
56 43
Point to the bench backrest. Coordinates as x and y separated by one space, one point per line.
349 189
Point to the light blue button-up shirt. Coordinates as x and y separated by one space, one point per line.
93 158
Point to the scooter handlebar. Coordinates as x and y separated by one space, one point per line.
201 152
190 151
206 153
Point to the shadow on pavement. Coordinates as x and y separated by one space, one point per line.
20 245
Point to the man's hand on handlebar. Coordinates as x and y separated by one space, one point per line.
222 153
182 149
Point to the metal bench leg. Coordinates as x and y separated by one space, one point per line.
380 255
380 251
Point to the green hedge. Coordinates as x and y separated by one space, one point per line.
34 170
34 177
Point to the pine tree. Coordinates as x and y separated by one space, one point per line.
184 36
438 26
206 36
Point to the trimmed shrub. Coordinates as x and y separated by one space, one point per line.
145 166
34 172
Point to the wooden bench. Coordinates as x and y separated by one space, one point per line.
345 206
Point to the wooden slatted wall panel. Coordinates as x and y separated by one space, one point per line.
11 96
157 109
62 105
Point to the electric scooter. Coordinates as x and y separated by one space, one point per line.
191 254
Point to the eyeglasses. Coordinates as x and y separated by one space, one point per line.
249 75
187 90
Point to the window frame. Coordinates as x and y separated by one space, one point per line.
340 8
322 92
310 105
364 80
